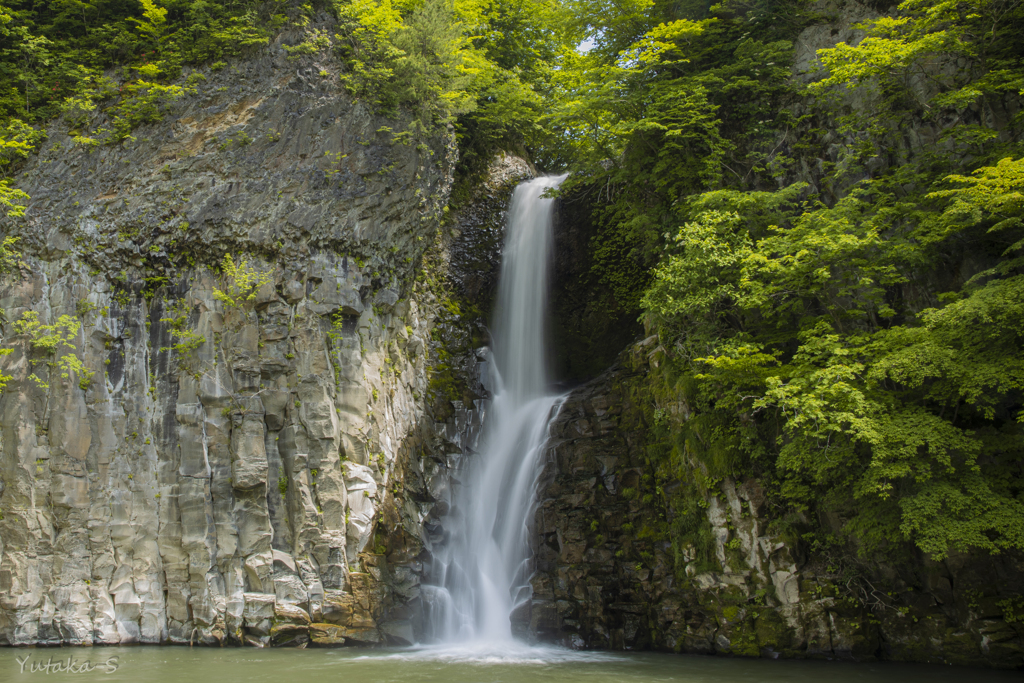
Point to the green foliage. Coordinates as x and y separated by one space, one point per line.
797 322
53 54
10 262
669 102
830 338
142 102
981 33
4 379
990 193
186 339
10 257
317 41
57 342
17 141
244 281
419 60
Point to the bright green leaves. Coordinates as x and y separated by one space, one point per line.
966 514
680 123
12 199
967 351
17 141
844 431
141 102
50 53
835 335
662 45
970 51
663 107
894 44
154 21
601 103
611 26
425 57
10 262
186 339
316 41
4 379
10 257
243 282
794 303
57 341
830 256
703 279
991 191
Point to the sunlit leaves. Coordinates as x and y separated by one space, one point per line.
793 299
704 277
994 190
57 341
889 50
244 280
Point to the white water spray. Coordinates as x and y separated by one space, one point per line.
486 575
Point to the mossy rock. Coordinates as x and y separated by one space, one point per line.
772 630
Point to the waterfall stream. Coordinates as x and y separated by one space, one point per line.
485 574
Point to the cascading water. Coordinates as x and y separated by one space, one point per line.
486 573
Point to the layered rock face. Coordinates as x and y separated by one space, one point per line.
219 476
607 578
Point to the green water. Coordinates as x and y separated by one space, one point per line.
150 664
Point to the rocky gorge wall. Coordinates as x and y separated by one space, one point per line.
629 558
611 571
280 470
220 474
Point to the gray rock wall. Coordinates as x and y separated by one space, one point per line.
228 492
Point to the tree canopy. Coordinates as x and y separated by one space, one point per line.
832 262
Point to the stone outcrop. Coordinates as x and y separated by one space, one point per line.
267 465
217 471
608 575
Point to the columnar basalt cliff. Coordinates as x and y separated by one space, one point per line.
219 477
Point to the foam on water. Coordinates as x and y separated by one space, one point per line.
489 653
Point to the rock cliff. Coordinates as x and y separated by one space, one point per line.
685 562
612 572
215 470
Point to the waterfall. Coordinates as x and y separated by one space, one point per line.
486 573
